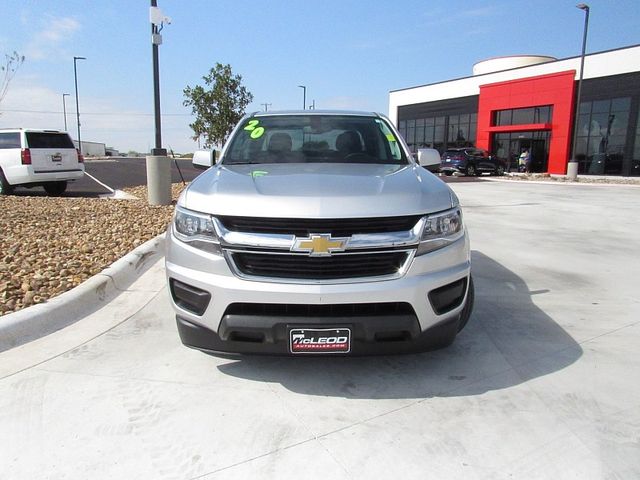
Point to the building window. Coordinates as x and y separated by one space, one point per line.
635 164
522 116
440 132
601 136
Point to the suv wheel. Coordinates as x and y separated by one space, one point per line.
471 171
5 188
55 189
499 170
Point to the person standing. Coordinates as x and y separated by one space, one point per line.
528 161
522 161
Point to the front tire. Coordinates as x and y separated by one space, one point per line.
5 188
499 170
471 171
55 189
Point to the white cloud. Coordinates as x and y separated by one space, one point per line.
50 38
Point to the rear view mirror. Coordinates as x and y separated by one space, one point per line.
203 159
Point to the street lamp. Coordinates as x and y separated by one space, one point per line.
304 96
64 109
75 76
572 169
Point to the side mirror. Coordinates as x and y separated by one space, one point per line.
203 159
429 158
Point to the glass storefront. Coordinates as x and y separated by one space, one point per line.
522 116
635 162
508 147
440 132
601 136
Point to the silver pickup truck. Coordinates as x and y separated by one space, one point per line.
315 232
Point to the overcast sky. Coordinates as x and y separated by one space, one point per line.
349 53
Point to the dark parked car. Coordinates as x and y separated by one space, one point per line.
470 161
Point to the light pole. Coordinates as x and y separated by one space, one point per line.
75 76
304 96
266 106
572 169
158 164
64 109
156 39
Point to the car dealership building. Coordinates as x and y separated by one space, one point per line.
527 102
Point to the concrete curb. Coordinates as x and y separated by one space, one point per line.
45 318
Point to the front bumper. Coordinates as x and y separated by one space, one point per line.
217 326
270 335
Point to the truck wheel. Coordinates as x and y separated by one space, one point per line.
5 188
55 189
468 306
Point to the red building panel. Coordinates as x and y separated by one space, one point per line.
555 89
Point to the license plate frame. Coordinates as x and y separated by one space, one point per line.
311 340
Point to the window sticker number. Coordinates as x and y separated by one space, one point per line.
390 137
252 124
256 131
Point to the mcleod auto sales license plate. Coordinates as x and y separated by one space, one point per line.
320 340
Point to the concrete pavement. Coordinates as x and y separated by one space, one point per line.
541 384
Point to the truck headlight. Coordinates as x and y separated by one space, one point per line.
196 229
441 229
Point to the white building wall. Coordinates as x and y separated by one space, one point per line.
92 149
616 62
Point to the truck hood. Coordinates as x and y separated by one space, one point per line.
316 190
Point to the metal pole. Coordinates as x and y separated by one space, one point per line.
304 96
572 171
158 164
158 150
75 76
64 110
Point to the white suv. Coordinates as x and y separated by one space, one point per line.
30 157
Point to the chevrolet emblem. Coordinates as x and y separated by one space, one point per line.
317 245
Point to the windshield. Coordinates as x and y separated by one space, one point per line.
314 138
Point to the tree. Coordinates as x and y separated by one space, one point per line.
8 70
218 106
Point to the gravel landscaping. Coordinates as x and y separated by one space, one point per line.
545 177
49 245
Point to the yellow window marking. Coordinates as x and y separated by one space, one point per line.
252 125
257 132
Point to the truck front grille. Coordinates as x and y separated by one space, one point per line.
335 267
337 227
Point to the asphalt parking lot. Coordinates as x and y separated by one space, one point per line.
102 176
542 384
